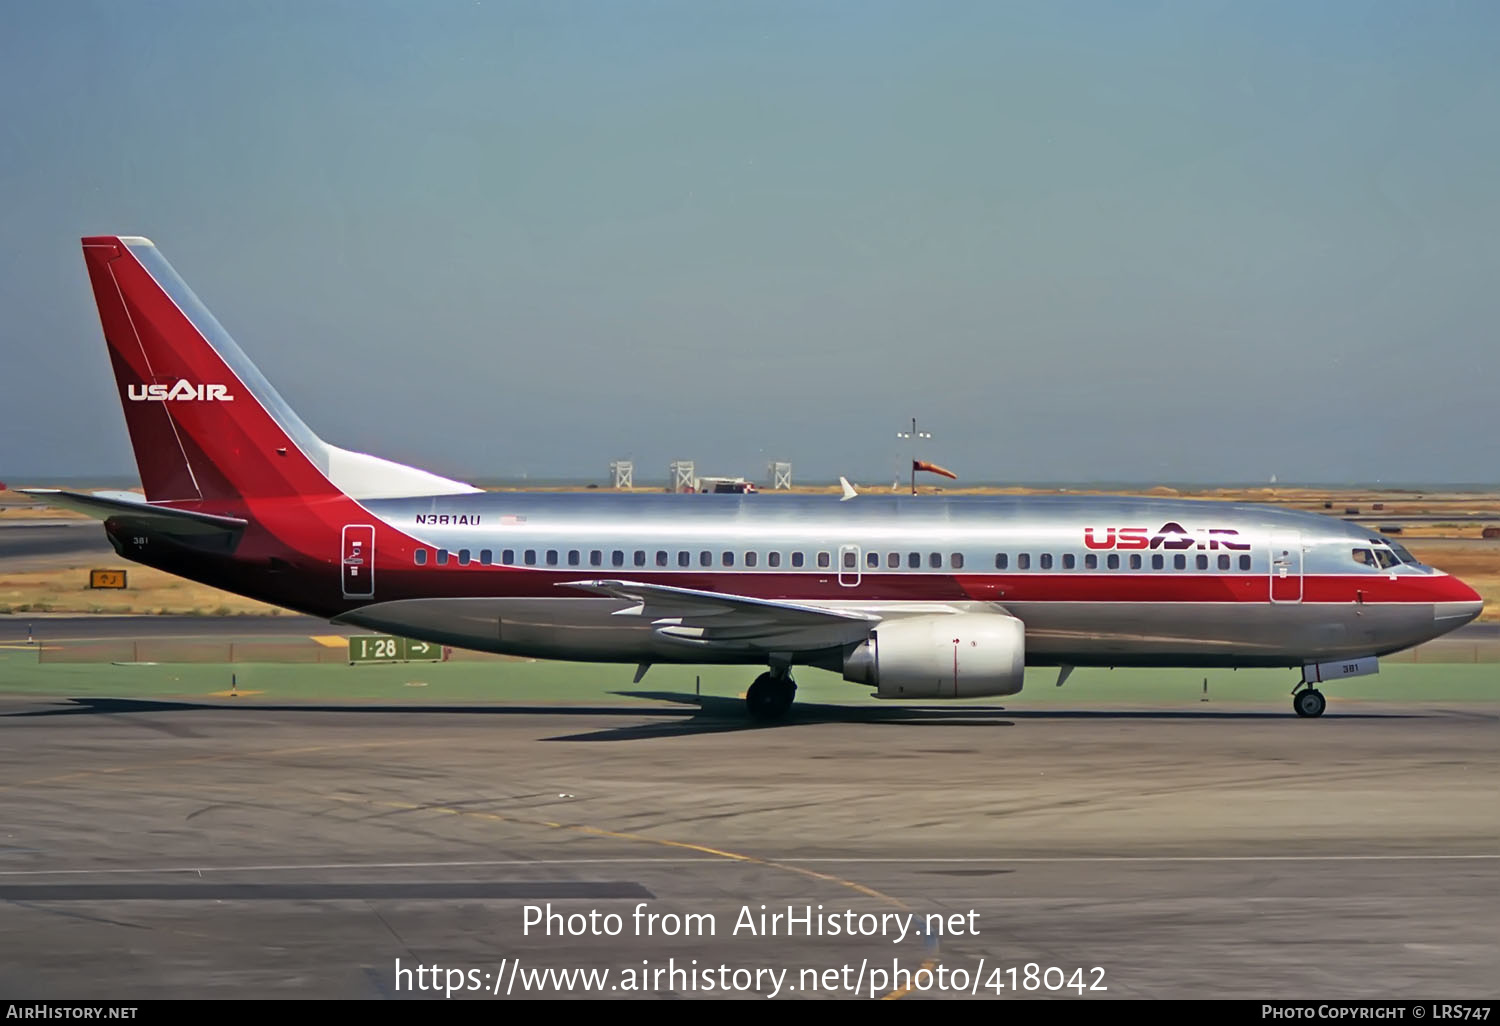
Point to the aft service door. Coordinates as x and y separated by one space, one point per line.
358 563
1286 566
849 570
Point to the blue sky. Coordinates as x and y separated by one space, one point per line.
1151 241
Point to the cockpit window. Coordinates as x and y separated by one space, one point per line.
1386 557
1400 551
1364 557
1403 555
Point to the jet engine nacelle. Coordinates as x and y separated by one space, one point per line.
954 655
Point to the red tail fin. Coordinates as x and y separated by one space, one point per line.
204 423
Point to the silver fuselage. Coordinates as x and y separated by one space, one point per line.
1096 580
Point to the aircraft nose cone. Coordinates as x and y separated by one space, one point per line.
1459 605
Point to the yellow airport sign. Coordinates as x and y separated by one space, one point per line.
106 578
383 648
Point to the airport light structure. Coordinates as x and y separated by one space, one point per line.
915 436
683 476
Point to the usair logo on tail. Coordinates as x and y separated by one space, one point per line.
183 391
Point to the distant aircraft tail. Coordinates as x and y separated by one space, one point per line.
204 422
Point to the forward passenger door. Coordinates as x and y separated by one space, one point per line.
1286 566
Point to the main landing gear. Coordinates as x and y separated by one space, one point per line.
1308 701
771 695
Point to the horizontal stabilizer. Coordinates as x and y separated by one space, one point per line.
111 505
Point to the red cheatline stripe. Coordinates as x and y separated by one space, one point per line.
923 587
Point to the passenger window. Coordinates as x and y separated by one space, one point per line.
705 558
773 559
956 561
530 557
1179 562
1244 562
1201 562
914 560
1091 562
1068 561
1046 561
617 558
1023 561
850 560
684 558
750 558
508 557
640 557
797 559
1001 559
1114 561
893 560
420 557
463 557
442 557
1135 562
1158 561
1223 562
596 558
661 557
935 560
551 557
824 560
573 555
872 560
486 557
727 559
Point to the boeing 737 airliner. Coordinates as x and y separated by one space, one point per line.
916 597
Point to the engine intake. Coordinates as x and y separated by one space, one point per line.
954 655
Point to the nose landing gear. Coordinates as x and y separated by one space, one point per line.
1308 701
770 696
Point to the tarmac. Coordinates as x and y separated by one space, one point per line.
64 627
228 849
28 545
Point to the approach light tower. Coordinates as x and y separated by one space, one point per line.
916 437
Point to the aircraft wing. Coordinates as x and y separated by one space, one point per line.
709 618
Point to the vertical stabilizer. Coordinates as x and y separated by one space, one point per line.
204 422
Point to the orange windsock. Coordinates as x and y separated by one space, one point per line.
933 468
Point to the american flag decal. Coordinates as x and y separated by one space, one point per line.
511 518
